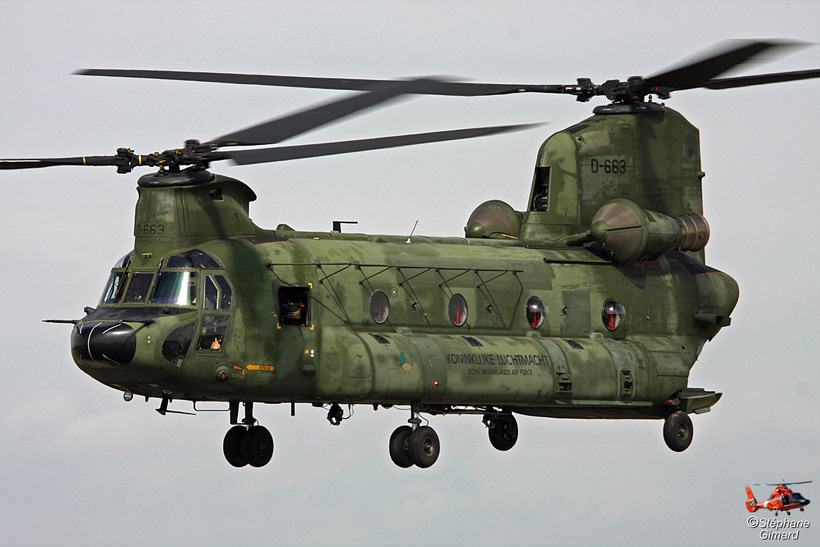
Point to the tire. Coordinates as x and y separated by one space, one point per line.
505 433
232 446
258 446
424 446
678 431
400 446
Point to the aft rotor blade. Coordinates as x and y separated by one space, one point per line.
700 72
433 87
760 79
283 153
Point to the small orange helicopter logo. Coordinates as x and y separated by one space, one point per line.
782 499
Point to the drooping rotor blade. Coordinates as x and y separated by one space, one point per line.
284 153
51 162
280 129
760 79
699 72
434 87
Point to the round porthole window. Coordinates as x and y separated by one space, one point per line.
458 310
612 314
379 307
536 312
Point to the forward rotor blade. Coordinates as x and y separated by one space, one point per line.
283 153
280 129
696 74
51 162
760 79
434 87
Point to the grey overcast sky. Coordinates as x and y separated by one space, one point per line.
82 467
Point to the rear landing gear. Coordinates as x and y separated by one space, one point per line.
417 445
502 429
247 444
678 431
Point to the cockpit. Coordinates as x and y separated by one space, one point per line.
181 284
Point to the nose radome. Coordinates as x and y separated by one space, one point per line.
103 343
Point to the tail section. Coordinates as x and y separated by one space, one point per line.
751 503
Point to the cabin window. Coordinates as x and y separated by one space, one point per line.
612 314
536 312
540 190
177 288
379 307
213 332
294 306
138 288
457 310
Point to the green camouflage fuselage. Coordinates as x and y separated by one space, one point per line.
353 318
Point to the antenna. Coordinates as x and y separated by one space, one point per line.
412 231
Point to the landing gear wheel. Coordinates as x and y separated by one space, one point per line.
232 446
400 446
424 446
505 432
678 431
258 446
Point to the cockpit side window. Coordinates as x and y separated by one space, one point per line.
224 293
217 293
213 333
211 294
113 289
116 281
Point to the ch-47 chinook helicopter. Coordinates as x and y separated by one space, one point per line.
782 499
593 302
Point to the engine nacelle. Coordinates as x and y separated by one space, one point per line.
633 234
494 219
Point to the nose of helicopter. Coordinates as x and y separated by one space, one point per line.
103 343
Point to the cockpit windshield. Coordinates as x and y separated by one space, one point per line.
175 288
175 284
137 290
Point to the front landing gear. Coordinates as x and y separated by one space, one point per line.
416 445
247 444
678 431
